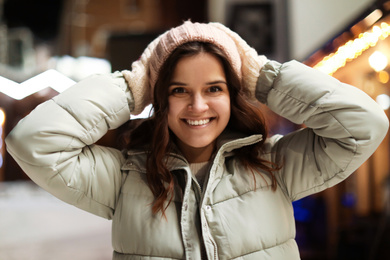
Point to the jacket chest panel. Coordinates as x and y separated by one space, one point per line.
251 222
136 231
244 218
234 181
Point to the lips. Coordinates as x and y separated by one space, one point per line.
198 122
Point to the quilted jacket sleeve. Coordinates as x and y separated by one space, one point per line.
344 126
54 144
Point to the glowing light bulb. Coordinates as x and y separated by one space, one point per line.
384 101
2 117
378 61
383 77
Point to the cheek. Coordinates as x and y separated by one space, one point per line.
170 121
173 109
227 113
224 108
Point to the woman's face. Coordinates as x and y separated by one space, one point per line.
199 105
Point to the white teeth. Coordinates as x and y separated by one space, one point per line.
198 122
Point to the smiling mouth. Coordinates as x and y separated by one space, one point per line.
198 122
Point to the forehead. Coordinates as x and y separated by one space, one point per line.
197 67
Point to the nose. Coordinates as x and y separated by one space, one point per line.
198 104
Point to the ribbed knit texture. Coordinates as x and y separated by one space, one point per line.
200 171
144 72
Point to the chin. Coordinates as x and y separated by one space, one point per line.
199 144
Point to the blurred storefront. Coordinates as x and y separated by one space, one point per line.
358 216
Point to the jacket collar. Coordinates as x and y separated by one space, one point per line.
231 140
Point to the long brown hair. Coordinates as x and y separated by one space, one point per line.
246 117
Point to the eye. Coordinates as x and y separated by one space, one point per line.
215 89
177 90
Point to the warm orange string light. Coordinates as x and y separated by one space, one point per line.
2 118
353 49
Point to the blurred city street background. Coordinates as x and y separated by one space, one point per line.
34 225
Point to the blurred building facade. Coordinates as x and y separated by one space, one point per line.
358 214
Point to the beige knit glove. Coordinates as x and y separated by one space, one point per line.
138 78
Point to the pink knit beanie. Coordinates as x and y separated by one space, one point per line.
143 76
189 32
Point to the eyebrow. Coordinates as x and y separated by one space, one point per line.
175 83
216 82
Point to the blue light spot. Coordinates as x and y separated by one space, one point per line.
348 200
301 213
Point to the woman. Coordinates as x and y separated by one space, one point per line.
200 179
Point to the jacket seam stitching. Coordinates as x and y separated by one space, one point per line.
88 135
58 173
131 254
260 188
263 249
84 193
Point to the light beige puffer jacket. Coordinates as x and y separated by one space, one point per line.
230 219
